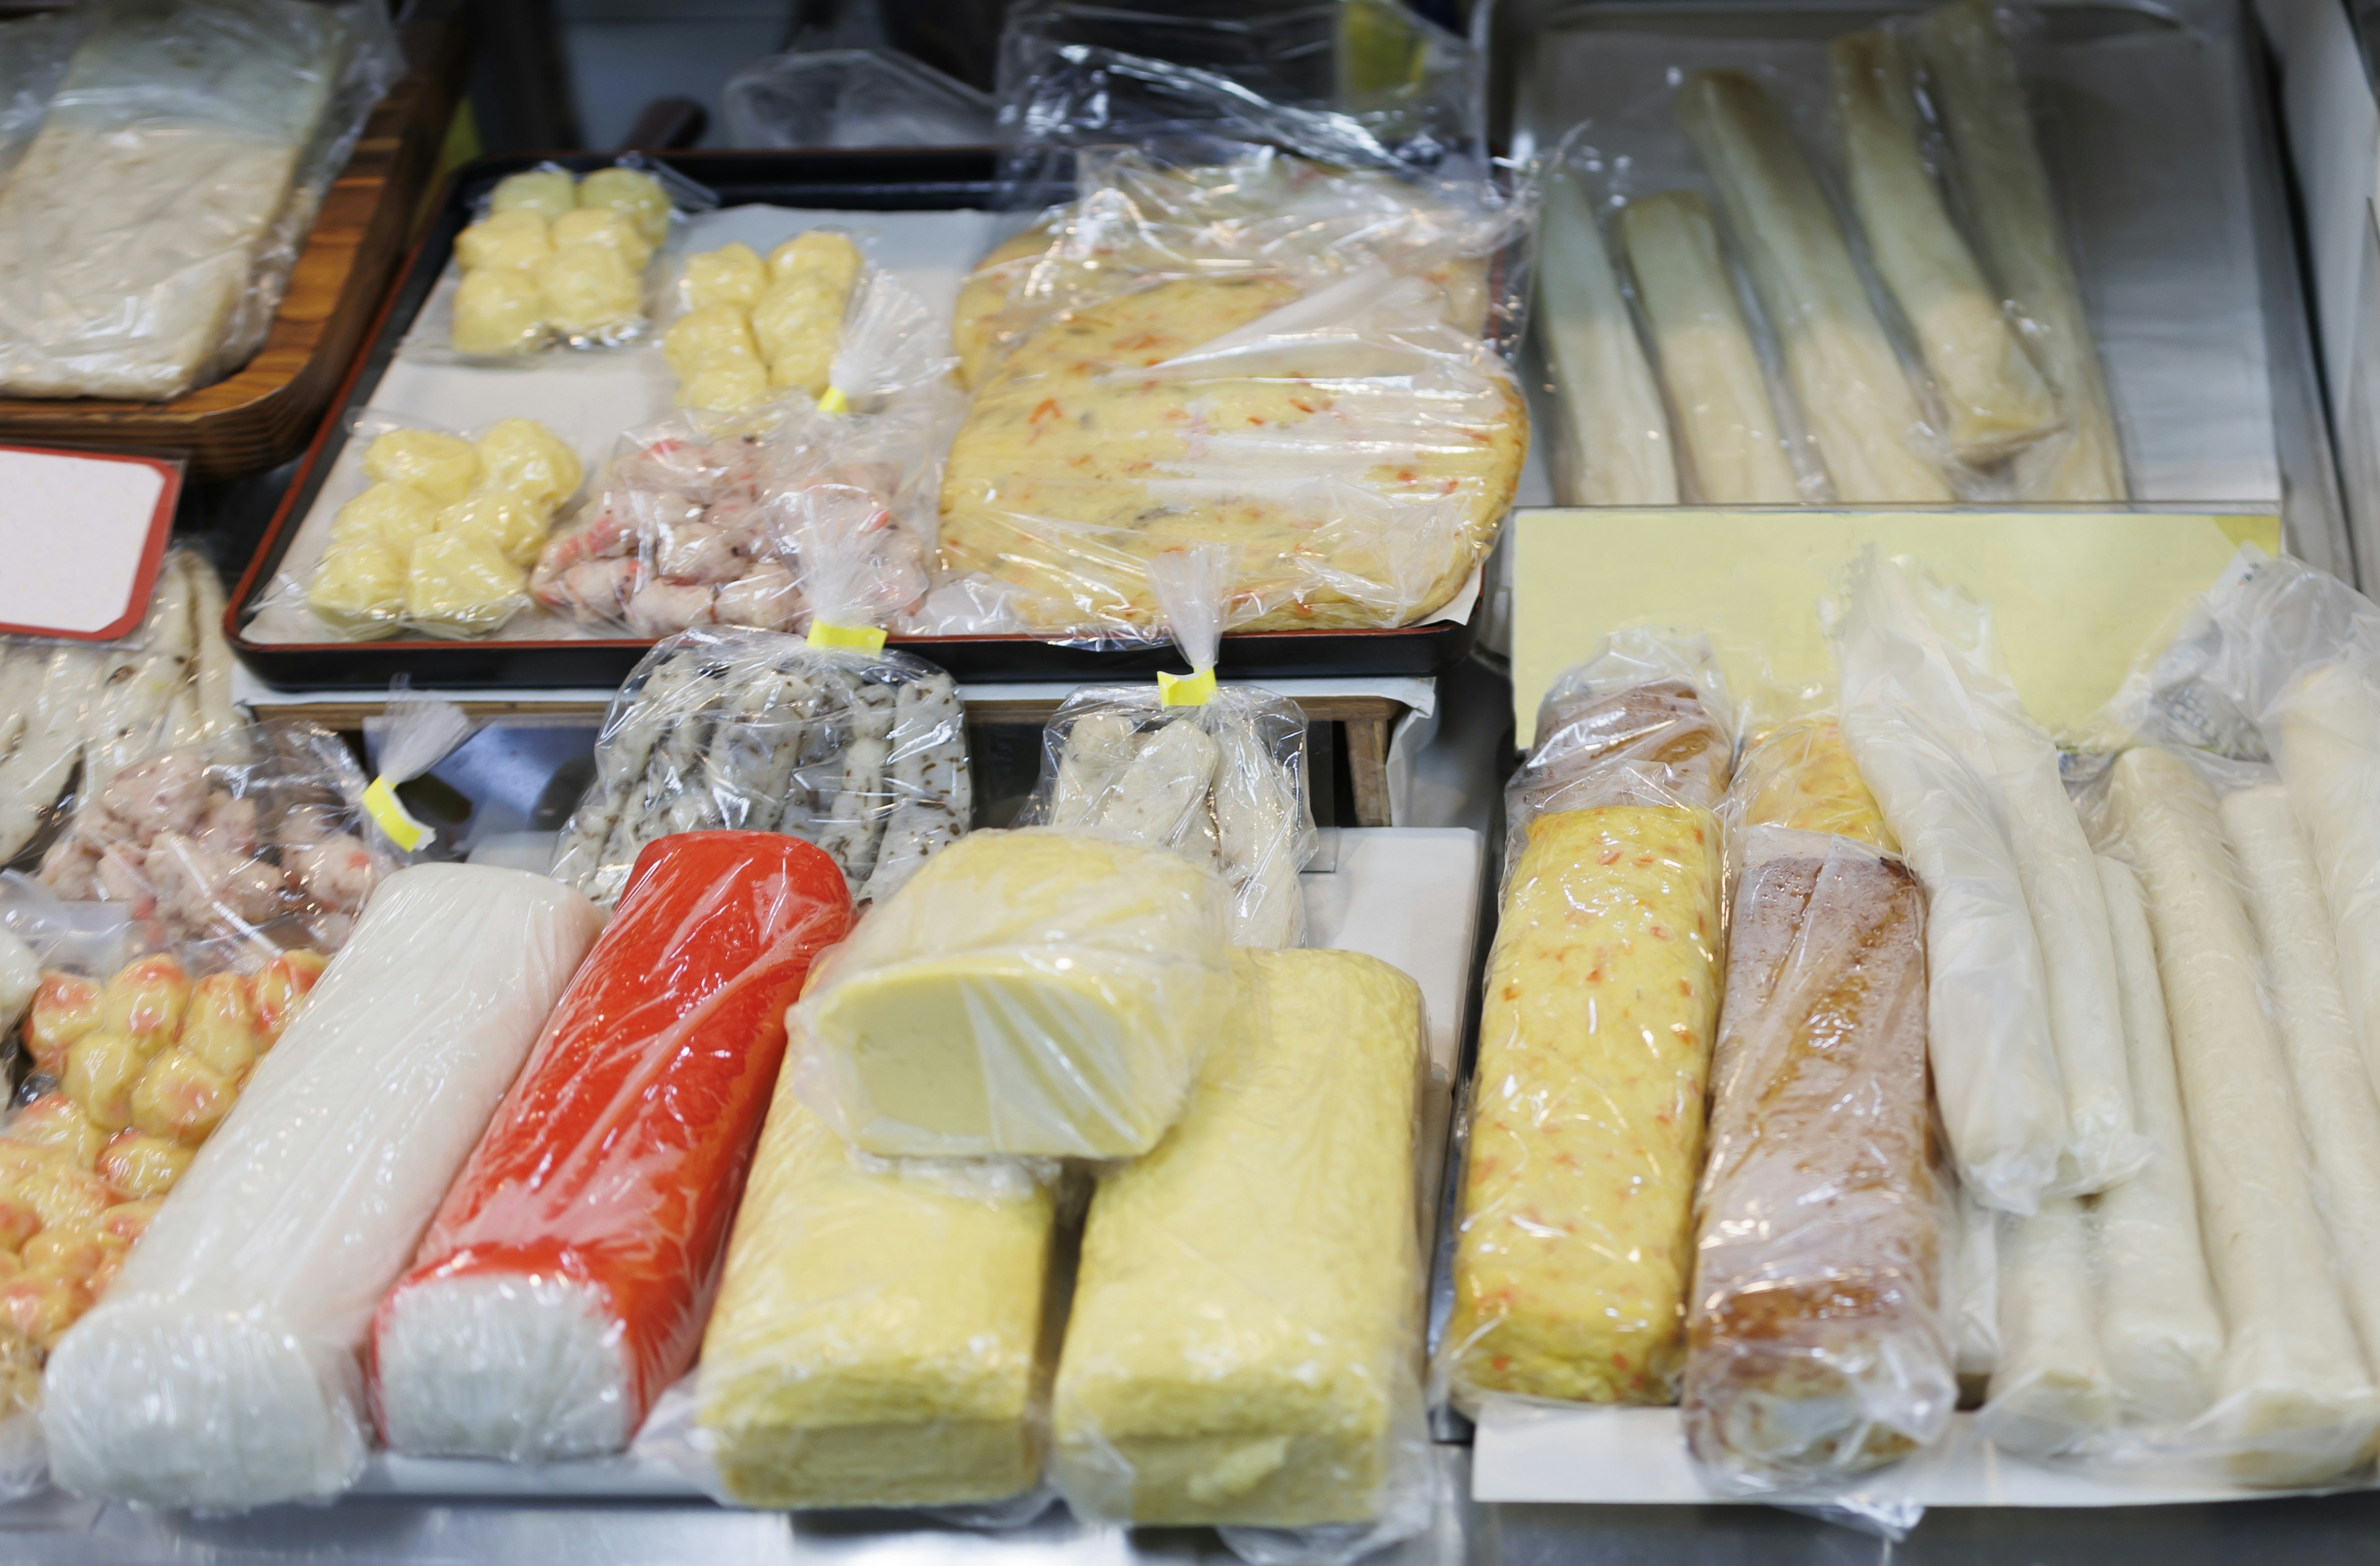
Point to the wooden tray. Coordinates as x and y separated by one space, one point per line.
265 412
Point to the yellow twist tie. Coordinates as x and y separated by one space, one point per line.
847 638
1187 690
833 401
383 805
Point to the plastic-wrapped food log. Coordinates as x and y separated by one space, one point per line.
222 1370
1036 992
1244 1343
879 1335
565 1281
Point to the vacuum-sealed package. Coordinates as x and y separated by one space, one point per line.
148 230
1575 1244
1919 740
1252 324
222 1370
772 518
883 1332
2294 1398
557 258
863 754
1818 1348
1243 1345
440 537
73 713
565 1279
257 838
1032 992
1215 772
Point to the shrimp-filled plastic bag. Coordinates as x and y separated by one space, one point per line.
223 1369
565 1281
1030 993
828 738
1575 1244
1215 772
1252 324
255 840
557 259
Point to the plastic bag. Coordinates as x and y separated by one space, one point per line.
759 520
1271 332
852 98
1818 1346
257 839
1215 772
1918 737
73 713
862 754
148 231
559 260
415 733
34 50
565 1281
1033 992
1241 1348
435 533
222 1370
884 1335
1602 996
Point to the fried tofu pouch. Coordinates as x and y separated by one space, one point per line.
1244 1342
1816 1344
1575 1242
878 1340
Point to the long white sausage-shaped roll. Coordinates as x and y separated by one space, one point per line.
1612 448
2295 1403
1972 79
1817 1346
1729 445
2051 1389
2335 1094
2158 1327
222 1371
1846 379
1995 399
2325 734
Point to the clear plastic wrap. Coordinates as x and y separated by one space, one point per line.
1920 741
2158 1325
73 713
442 538
2294 1397
256 839
34 50
1243 1345
1575 1241
1031 992
558 260
222 1370
565 1279
851 98
768 518
884 1329
2052 1390
1263 326
862 754
1817 1346
148 231
1217 774
1613 446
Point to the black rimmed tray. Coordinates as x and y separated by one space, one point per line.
898 180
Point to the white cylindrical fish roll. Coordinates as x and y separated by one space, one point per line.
2051 1388
2325 734
221 1371
2158 1327
2295 1401
2343 1118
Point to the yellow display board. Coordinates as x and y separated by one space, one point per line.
2077 596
